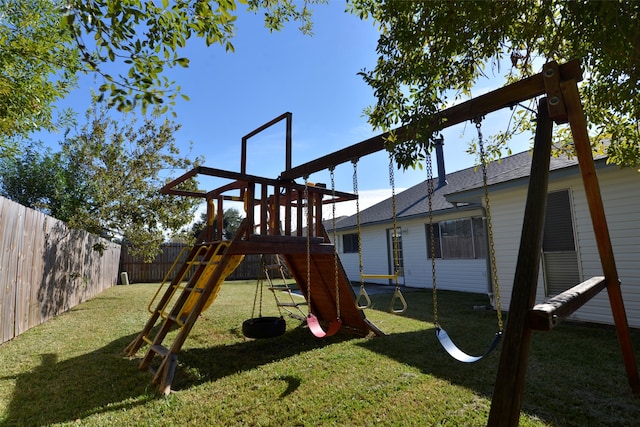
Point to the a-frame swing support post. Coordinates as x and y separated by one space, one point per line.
507 394
578 126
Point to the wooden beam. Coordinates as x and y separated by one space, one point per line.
547 315
498 99
510 379
193 172
235 185
578 124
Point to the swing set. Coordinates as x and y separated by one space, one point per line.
274 224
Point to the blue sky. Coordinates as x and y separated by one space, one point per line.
315 78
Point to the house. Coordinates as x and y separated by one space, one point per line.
569 256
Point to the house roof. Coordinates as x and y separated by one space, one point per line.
461 190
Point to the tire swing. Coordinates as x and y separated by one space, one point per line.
263 326
447 343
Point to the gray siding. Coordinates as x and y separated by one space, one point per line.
621 197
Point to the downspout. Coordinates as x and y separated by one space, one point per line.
442 174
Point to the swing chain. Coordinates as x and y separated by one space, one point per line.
355 191
432 242
306 213
492 250
396 263
255 298
397 295
335 239
362 301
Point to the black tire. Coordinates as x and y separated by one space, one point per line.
264 327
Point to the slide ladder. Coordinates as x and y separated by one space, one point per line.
274 272
206 268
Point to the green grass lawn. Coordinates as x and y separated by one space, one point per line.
70 371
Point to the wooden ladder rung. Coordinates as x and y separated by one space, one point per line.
547 315
291 304
180 321
279 288
160 349
203 262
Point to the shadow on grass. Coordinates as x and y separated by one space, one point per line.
422 350
200 365
67 390
105 381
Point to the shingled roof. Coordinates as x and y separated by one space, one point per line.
415 202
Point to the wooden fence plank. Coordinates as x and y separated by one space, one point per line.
12 217
8 215
24 271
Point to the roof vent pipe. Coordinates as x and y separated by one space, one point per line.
442 175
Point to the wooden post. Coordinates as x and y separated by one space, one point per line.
264 208
578 126
275 211
210 229
287 210
220 223
510 380
317 214
299 212
250 207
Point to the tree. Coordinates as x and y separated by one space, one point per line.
38 65
47 44
126 166
432 51
31 178
107 180
45 181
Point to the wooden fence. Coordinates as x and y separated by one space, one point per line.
47 268
140 272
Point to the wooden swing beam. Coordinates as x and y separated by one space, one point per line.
507 96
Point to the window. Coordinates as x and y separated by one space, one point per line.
350 243
395 250
458 239
559 255
479 238
558 224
